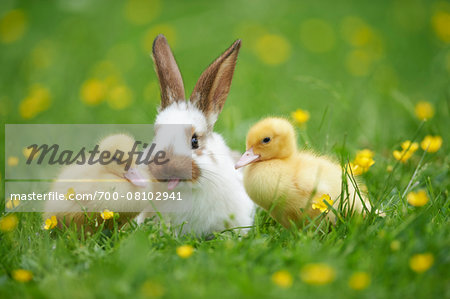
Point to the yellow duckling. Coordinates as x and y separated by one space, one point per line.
288 182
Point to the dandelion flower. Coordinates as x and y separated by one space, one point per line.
11 204
317 274
13 26
363 161
27 153
8 223
365 153
300 116
185 251
152 289
282 279
441 25
273 49
107 214
359 63
120 97
93 92
359 281
395 245
22 275
319 203
12 161
424 110
70 194
50 223
37 101
408 149
431 144
421 262
417 199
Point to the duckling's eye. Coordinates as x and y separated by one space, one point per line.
266 140
194 141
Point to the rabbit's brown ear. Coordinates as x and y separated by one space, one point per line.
212 88
170 80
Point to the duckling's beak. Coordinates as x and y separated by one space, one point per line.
248 157
136 178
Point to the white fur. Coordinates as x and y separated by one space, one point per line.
219 200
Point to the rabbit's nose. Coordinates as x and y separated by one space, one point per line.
178 167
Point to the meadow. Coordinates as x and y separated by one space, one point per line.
353 76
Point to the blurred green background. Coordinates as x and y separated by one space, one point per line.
358 67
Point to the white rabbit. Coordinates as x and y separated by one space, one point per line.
218 200
88 180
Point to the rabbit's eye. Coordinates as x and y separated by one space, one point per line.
266 140
194 141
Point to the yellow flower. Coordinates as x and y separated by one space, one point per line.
300 116
22 275
50 223
27 152
11 204
70 195
93 92
431 144
359 281
42 54
389 168
421 262
408 150
395 245
185 251
359 63
317 274
282 279
12 26
319 203
365 153
107 214
152 289
120 97
8 223
441 25
363 161
424 110
272 49
359 34
417 199
12 161
38 100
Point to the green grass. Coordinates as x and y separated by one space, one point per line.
409 62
